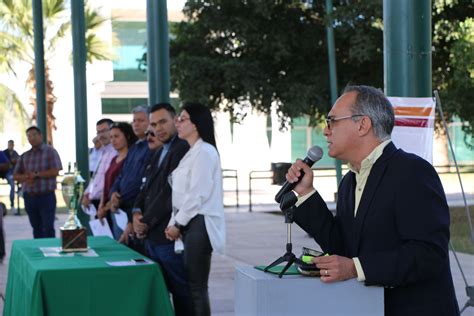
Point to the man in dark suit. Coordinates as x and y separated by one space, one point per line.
391 226
152 208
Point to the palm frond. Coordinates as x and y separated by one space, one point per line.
93 19
53 8
97 49
61 33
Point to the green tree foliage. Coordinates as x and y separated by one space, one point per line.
453 59
261 52
17 42
233 54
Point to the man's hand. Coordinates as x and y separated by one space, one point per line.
139 227
335 268
306 184
115 201
172 232
85 200
124 237
101 212
29 178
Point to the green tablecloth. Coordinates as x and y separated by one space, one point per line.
39 285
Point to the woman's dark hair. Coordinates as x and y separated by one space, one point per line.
127 131
201 116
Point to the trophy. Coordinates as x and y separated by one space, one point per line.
73 235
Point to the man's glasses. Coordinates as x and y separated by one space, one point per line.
149 133
331 119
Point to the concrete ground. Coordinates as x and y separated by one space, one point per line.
255 238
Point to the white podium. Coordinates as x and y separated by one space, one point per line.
262 294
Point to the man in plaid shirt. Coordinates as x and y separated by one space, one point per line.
37 170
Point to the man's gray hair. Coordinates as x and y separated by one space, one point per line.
141 109
373 103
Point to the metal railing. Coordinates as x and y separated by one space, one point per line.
268 174
232 174
264 174
331 172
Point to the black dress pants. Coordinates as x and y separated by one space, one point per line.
2 236
197 263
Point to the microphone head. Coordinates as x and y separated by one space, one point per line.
315 153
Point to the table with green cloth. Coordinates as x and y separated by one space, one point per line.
79 285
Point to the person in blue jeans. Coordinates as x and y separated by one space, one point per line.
37 170
12 157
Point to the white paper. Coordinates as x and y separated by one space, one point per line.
132 262
90 210
88 253
99 229
178 246
121 219
55 252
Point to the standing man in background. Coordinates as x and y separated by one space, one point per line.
37 170
12 157
93 192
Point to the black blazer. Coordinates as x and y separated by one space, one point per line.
154 198
400 233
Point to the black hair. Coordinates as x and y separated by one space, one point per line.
105 120
163 105
33 128
127 131
201 116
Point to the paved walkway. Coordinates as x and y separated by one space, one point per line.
255 238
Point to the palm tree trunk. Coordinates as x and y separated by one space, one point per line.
50 101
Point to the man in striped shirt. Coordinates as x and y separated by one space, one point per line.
37 170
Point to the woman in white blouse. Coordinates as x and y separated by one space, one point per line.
197 198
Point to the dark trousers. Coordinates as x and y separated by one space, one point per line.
2 235
197 262
11 182
175 277
41 210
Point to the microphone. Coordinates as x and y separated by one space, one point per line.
314 154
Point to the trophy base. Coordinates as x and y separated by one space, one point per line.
74 240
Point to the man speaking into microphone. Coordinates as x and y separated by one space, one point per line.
391 226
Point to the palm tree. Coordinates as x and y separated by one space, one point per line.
17 43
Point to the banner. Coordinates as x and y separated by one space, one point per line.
414 125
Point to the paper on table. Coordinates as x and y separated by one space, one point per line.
90 210
133 262
121 219
99 229
58 252
88 253
55 252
